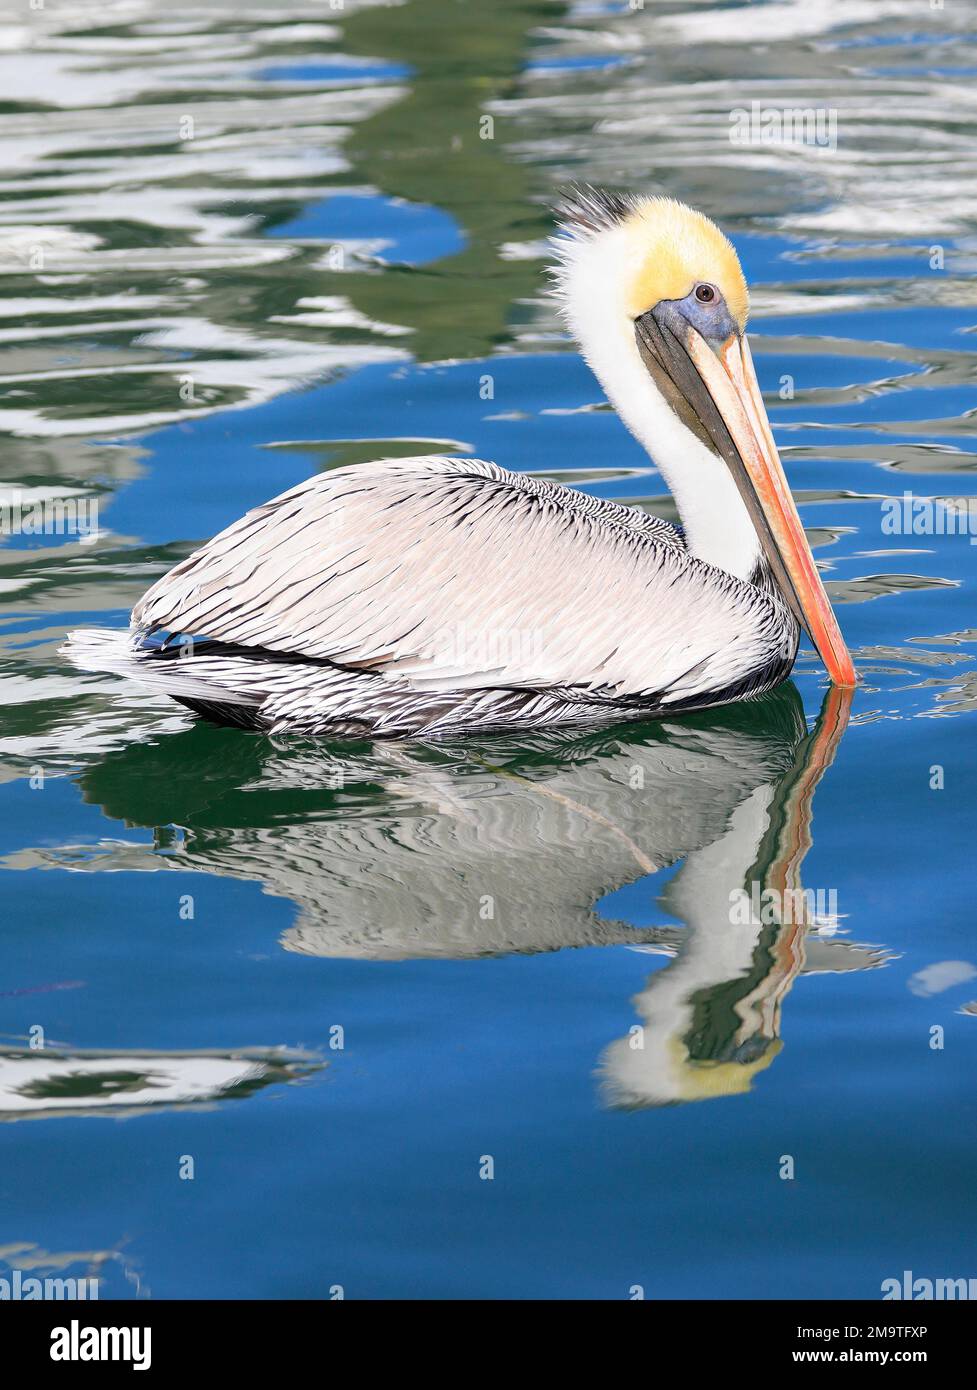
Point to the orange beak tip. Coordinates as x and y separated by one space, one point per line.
840 668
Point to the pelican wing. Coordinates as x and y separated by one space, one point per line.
456 574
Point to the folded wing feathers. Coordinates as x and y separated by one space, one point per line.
454 574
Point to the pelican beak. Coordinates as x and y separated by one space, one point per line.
715 392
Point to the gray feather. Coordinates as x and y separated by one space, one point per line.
436 593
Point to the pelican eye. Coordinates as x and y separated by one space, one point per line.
705 294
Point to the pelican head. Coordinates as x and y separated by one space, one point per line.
656 297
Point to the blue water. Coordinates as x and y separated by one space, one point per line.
410 234
273 957
333 72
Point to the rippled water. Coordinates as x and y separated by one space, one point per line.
242 243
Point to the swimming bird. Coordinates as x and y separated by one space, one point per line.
435 595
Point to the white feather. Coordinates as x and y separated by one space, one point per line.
592 277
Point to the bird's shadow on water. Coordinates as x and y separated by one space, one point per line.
504 845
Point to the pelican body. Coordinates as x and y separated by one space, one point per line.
432 595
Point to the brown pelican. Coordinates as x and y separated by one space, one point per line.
429 595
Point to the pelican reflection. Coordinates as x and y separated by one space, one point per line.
394 852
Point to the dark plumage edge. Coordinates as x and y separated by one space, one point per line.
584 210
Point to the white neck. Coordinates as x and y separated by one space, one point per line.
717 525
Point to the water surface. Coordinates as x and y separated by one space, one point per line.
240 244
